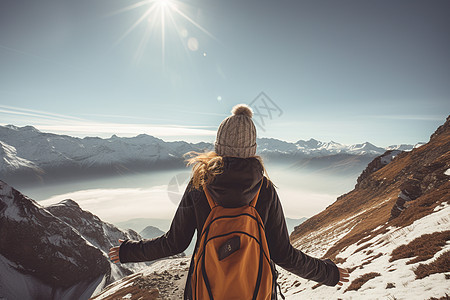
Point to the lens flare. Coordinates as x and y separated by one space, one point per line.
162 13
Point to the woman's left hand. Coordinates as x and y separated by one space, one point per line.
343 276
114 253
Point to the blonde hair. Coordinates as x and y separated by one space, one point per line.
208 165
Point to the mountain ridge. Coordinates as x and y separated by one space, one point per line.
28 155
55 251
399 200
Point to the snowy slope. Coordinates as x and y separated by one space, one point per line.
58 250
50 257
13 162
164 279
392 231
397 279
100 234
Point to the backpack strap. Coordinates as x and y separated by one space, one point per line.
211 202
253 202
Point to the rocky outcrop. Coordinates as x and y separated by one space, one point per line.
410 191
99 233
43 247
375 165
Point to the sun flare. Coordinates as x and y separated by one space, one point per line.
160 14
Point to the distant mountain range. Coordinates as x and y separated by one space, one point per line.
28 155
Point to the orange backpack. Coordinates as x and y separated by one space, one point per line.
232 260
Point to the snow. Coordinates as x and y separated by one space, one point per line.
11 211
375 256
170 264
396 272
11 159
28 148
328 236
447 172
379 227
118 285
385 159
15 285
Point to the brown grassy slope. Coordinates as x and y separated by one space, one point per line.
376 194
421 248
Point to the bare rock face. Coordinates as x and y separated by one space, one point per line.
44 247
101 234
97 232
375 165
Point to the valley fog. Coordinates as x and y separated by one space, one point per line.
155 195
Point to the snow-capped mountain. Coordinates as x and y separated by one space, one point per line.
41 255
391 232
151 232
55 252
100 234
28 155
314 148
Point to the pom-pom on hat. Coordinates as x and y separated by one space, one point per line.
236 135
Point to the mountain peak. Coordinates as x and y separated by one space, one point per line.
443 129
24 128
67 203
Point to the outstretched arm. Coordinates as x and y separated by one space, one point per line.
294 260
175 241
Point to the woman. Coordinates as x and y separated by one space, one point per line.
233 176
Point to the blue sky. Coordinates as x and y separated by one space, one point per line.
348 71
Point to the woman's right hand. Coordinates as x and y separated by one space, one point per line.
114 253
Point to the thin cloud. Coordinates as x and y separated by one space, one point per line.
205 113
108 129
6 109
146 119
410 117
69 125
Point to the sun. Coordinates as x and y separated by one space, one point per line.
160 13
163 3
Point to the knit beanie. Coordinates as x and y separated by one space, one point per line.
236 135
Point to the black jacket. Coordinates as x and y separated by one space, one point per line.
236 186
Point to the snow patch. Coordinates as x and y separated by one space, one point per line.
375 258
15 285
12 161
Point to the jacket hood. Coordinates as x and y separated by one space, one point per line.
239 182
